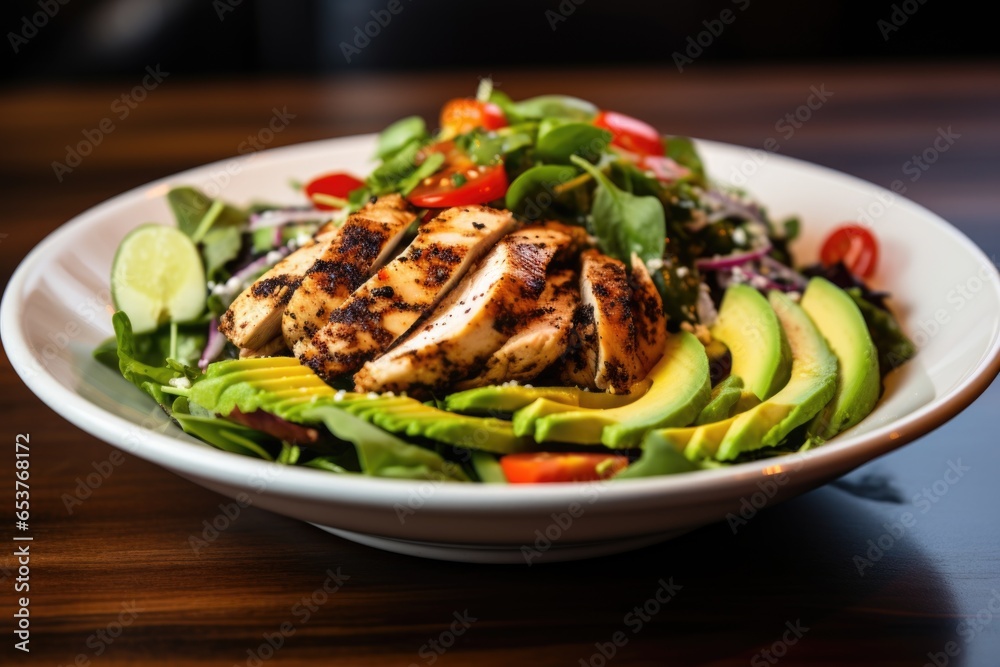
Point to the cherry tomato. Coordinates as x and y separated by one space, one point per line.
460 185
853 245
630 133
332 185
537 467
465 114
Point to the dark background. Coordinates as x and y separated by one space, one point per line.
116 38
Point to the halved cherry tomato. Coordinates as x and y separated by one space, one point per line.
853 245
460 185
630 133
337 185
465 114
537 467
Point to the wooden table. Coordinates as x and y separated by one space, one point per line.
115 581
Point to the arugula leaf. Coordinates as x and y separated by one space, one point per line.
129 363
427 168
559 139
682 151
395 137
625 223
532 193
894 347
387 176
382 454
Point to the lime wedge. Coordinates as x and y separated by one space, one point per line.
157 276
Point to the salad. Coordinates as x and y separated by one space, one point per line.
535 291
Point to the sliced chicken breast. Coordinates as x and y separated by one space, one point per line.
604 354
363 243
474 320
253 320
650 320
390 302
539 341
272 348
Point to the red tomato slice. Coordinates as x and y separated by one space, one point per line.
630 133
460 186
853 245
538 467
465 114
333 185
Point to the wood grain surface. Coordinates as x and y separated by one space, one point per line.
115 581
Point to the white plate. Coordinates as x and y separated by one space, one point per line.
946 292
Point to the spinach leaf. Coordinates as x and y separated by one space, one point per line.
221 433
395 137
546 106
382 454
532 193
894 347
682 151
190 206
132 359
625 223
220 246
558 140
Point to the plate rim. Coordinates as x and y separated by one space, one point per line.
298 482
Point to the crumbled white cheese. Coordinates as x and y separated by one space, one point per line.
180 383
707 314
795 296
273 256
740 237
682 271
654 265
339 396
372 395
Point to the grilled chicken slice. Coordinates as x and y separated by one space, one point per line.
253 320
390 302
474 320
605 355
272 348
650 320
539 341
363 243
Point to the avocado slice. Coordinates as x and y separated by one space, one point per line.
405 415
290 391
812 384
750 329
680 389
506 399
810 388
842 324
724 397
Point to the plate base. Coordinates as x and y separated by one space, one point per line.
502 554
